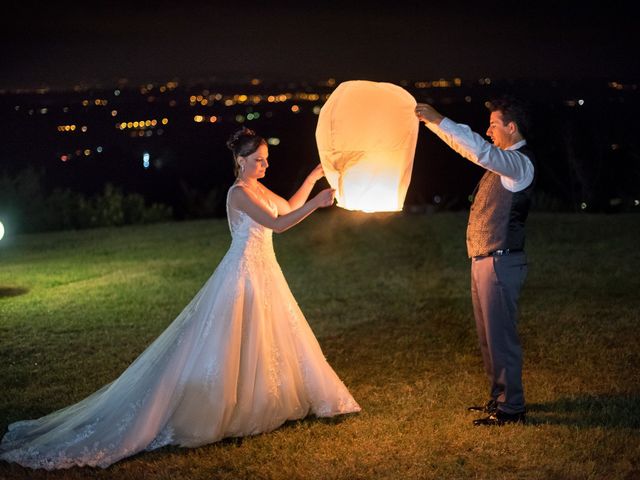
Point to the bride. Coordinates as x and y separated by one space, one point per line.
240 359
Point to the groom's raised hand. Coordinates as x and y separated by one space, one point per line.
427 114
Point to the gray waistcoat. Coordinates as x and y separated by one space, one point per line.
497 216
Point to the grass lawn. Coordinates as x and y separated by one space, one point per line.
388 297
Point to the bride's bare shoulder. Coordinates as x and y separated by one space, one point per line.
240 194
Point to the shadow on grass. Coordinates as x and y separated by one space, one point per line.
588 411
12 291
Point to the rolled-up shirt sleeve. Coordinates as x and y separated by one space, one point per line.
514 167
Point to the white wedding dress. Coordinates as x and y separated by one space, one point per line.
239 360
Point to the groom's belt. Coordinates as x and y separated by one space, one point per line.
504 251
498 253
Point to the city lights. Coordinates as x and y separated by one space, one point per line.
141 124
209 106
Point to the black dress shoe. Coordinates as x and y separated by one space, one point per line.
499 418
490 407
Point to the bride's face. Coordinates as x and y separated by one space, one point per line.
256 164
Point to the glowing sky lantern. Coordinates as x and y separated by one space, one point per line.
366 136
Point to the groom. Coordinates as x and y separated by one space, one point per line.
495 244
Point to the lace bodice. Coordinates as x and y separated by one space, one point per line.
246 232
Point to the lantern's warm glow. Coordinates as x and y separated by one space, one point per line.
366 135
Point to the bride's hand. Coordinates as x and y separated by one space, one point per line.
316 174
325 197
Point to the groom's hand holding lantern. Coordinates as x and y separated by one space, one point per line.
427 114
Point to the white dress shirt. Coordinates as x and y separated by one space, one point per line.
515 168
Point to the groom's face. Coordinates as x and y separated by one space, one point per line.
501 135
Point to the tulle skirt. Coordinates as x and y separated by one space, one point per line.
240 359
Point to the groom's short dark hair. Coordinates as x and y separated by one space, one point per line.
513 110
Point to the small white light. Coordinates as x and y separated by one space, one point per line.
145 160
1 230
583 206
273 141
581 102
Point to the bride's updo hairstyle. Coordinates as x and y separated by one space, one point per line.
243 143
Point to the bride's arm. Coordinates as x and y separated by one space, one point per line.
300 197
243 200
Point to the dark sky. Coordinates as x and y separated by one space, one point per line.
62 43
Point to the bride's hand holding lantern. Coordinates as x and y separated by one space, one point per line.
316 174
325 197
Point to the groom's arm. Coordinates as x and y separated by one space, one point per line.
514 167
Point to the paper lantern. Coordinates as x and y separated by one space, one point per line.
366 136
